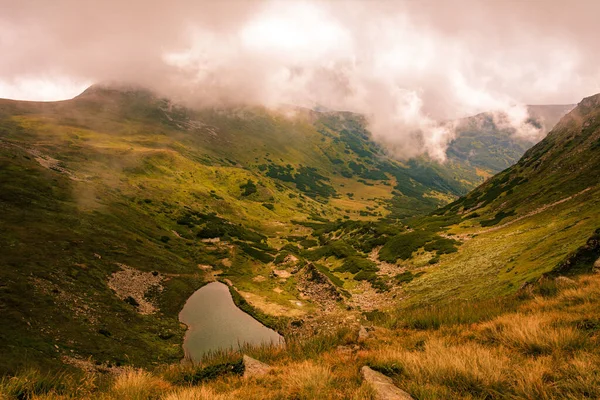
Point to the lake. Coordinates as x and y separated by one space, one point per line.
214 322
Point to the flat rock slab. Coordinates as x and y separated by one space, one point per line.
384 387
254 367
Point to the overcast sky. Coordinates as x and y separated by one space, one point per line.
405 64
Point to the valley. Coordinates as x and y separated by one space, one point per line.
118 205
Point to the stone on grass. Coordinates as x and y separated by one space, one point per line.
254 367
384 387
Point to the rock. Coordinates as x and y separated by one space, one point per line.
383 386
131 285
281 273
254 367
228 282
564 282
363 334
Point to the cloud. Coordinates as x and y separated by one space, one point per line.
404 64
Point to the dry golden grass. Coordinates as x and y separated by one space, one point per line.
137 384
468 367
194 393
308 380
534 334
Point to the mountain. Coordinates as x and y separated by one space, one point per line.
118 188
120 181
565 161
526 221
117 205
490 296
485 146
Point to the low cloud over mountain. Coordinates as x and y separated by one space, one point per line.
406 65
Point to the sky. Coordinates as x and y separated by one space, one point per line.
406 65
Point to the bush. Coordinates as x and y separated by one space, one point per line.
403 245
497 218
306 243
248 188
442 246
337 248
268 206
404 277
253 252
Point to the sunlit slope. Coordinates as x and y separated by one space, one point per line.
562 164
524 221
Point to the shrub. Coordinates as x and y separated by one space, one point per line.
442 246
404 277
306 243
403 245
497 218
253 252
337 248
356 264
248 188
268 206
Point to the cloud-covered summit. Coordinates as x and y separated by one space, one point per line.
404 64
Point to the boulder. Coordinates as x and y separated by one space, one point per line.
253 368
384 387
563 282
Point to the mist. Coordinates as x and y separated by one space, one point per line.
406 65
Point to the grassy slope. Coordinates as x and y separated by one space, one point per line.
116 170
105 178
512 229
523 222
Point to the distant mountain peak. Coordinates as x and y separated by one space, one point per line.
108 88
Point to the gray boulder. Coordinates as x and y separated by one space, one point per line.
384 387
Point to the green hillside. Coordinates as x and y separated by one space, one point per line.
119 178
492 296
119 184
525 221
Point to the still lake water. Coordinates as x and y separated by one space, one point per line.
214 322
